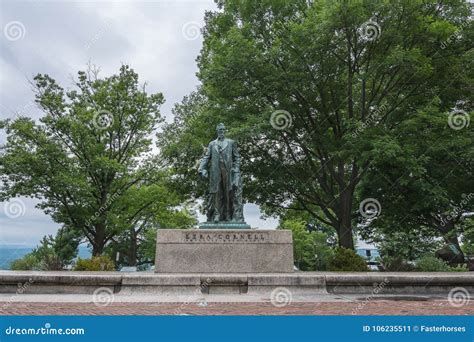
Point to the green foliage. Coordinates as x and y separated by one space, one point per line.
96 263
395 264
424 185
137 246
468 249
429 263
28 262
297 213
89 159
84 154
53 253
310 249
345 259
65 245
406 242
347 99
467 228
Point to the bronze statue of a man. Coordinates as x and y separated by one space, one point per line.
222 159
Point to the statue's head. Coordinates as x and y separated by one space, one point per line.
220 130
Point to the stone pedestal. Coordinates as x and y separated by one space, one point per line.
224 225
224 251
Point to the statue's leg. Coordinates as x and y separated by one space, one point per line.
231 205
210 206
217 205
219 214
221 198
225 196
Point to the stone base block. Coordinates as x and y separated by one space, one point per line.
224 225
224 251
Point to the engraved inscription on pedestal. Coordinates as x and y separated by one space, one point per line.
222 237
223 251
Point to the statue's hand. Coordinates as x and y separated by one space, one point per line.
203 174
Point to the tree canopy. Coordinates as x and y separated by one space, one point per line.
314 93
89 159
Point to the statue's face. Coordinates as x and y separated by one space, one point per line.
220 132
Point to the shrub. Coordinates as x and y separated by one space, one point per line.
468 248
458 268
430 263
395 264
96 263
347 260
52 254
28 263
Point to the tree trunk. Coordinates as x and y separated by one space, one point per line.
132 259
344 229
99 240
345 237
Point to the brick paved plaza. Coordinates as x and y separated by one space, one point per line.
378 307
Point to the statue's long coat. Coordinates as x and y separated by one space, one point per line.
211 159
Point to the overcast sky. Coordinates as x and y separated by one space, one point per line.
159 39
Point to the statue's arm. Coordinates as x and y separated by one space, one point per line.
205 160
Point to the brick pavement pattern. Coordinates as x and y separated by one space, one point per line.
378 307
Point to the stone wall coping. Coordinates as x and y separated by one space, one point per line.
297 278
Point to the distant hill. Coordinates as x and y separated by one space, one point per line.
8 253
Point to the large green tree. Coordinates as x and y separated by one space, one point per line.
304 84
422 176
89 152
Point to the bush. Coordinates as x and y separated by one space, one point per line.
96 263
395 264
28 263
468 248
458 268
429 263
347 260
52 253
